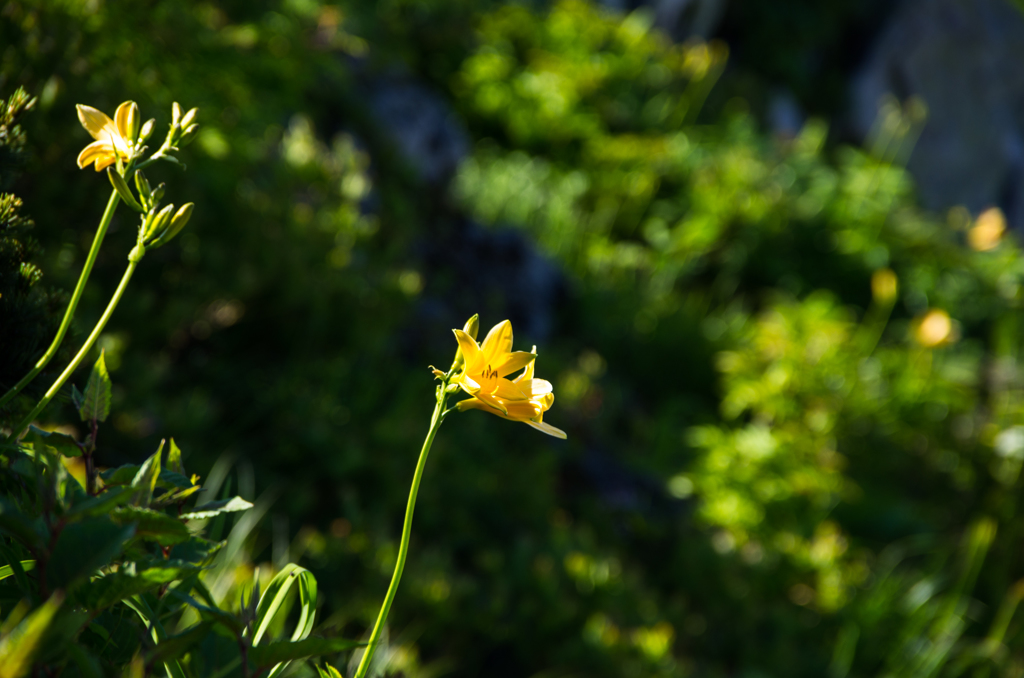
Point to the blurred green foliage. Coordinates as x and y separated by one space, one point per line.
773 470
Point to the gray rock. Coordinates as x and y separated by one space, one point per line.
964 58
679 18
421 125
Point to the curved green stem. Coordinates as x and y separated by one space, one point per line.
133 261
101 232
403 549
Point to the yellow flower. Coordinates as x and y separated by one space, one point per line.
524 398
114 138
933 329
987 230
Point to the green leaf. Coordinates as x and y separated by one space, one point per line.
196 550
213 508
174 459
328 671
101 504
16 567
31 533
8 570
175 646
144 482
272 605
285 650
60 443
129 581
96 399
228 620
84 547
122 475
18 647
149 524
77 399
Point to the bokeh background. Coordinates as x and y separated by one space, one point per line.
759 245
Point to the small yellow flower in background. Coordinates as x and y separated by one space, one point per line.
485 373
934 328
114 138
987 230
884 285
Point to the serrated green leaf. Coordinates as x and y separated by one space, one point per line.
149 524
213 508
122 475
60 443
18 647
77 399
174 459
129 581
263 656
96 399
174 479
175 496
101 504
144 482
196 550
83 548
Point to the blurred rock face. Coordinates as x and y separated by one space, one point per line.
963 57
679 18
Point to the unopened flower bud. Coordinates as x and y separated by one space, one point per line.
178 222
158 193
156 223
175 114
118 182
189 117
142 186
133 122
147 129
472 326
188 135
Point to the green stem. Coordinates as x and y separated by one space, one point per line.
101 232
403 549
133 261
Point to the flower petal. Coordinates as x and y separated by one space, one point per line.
506 390
94 152
493 402
548 428
497 342
470 350
468 384
121 118
96 122
535 388
511 362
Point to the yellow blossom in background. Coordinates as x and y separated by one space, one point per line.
884 285
933 329
114 138
987 230
530 411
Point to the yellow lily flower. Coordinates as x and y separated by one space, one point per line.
530 411
114 138
488 364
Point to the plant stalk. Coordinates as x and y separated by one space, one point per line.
97 241
20 428
403 549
